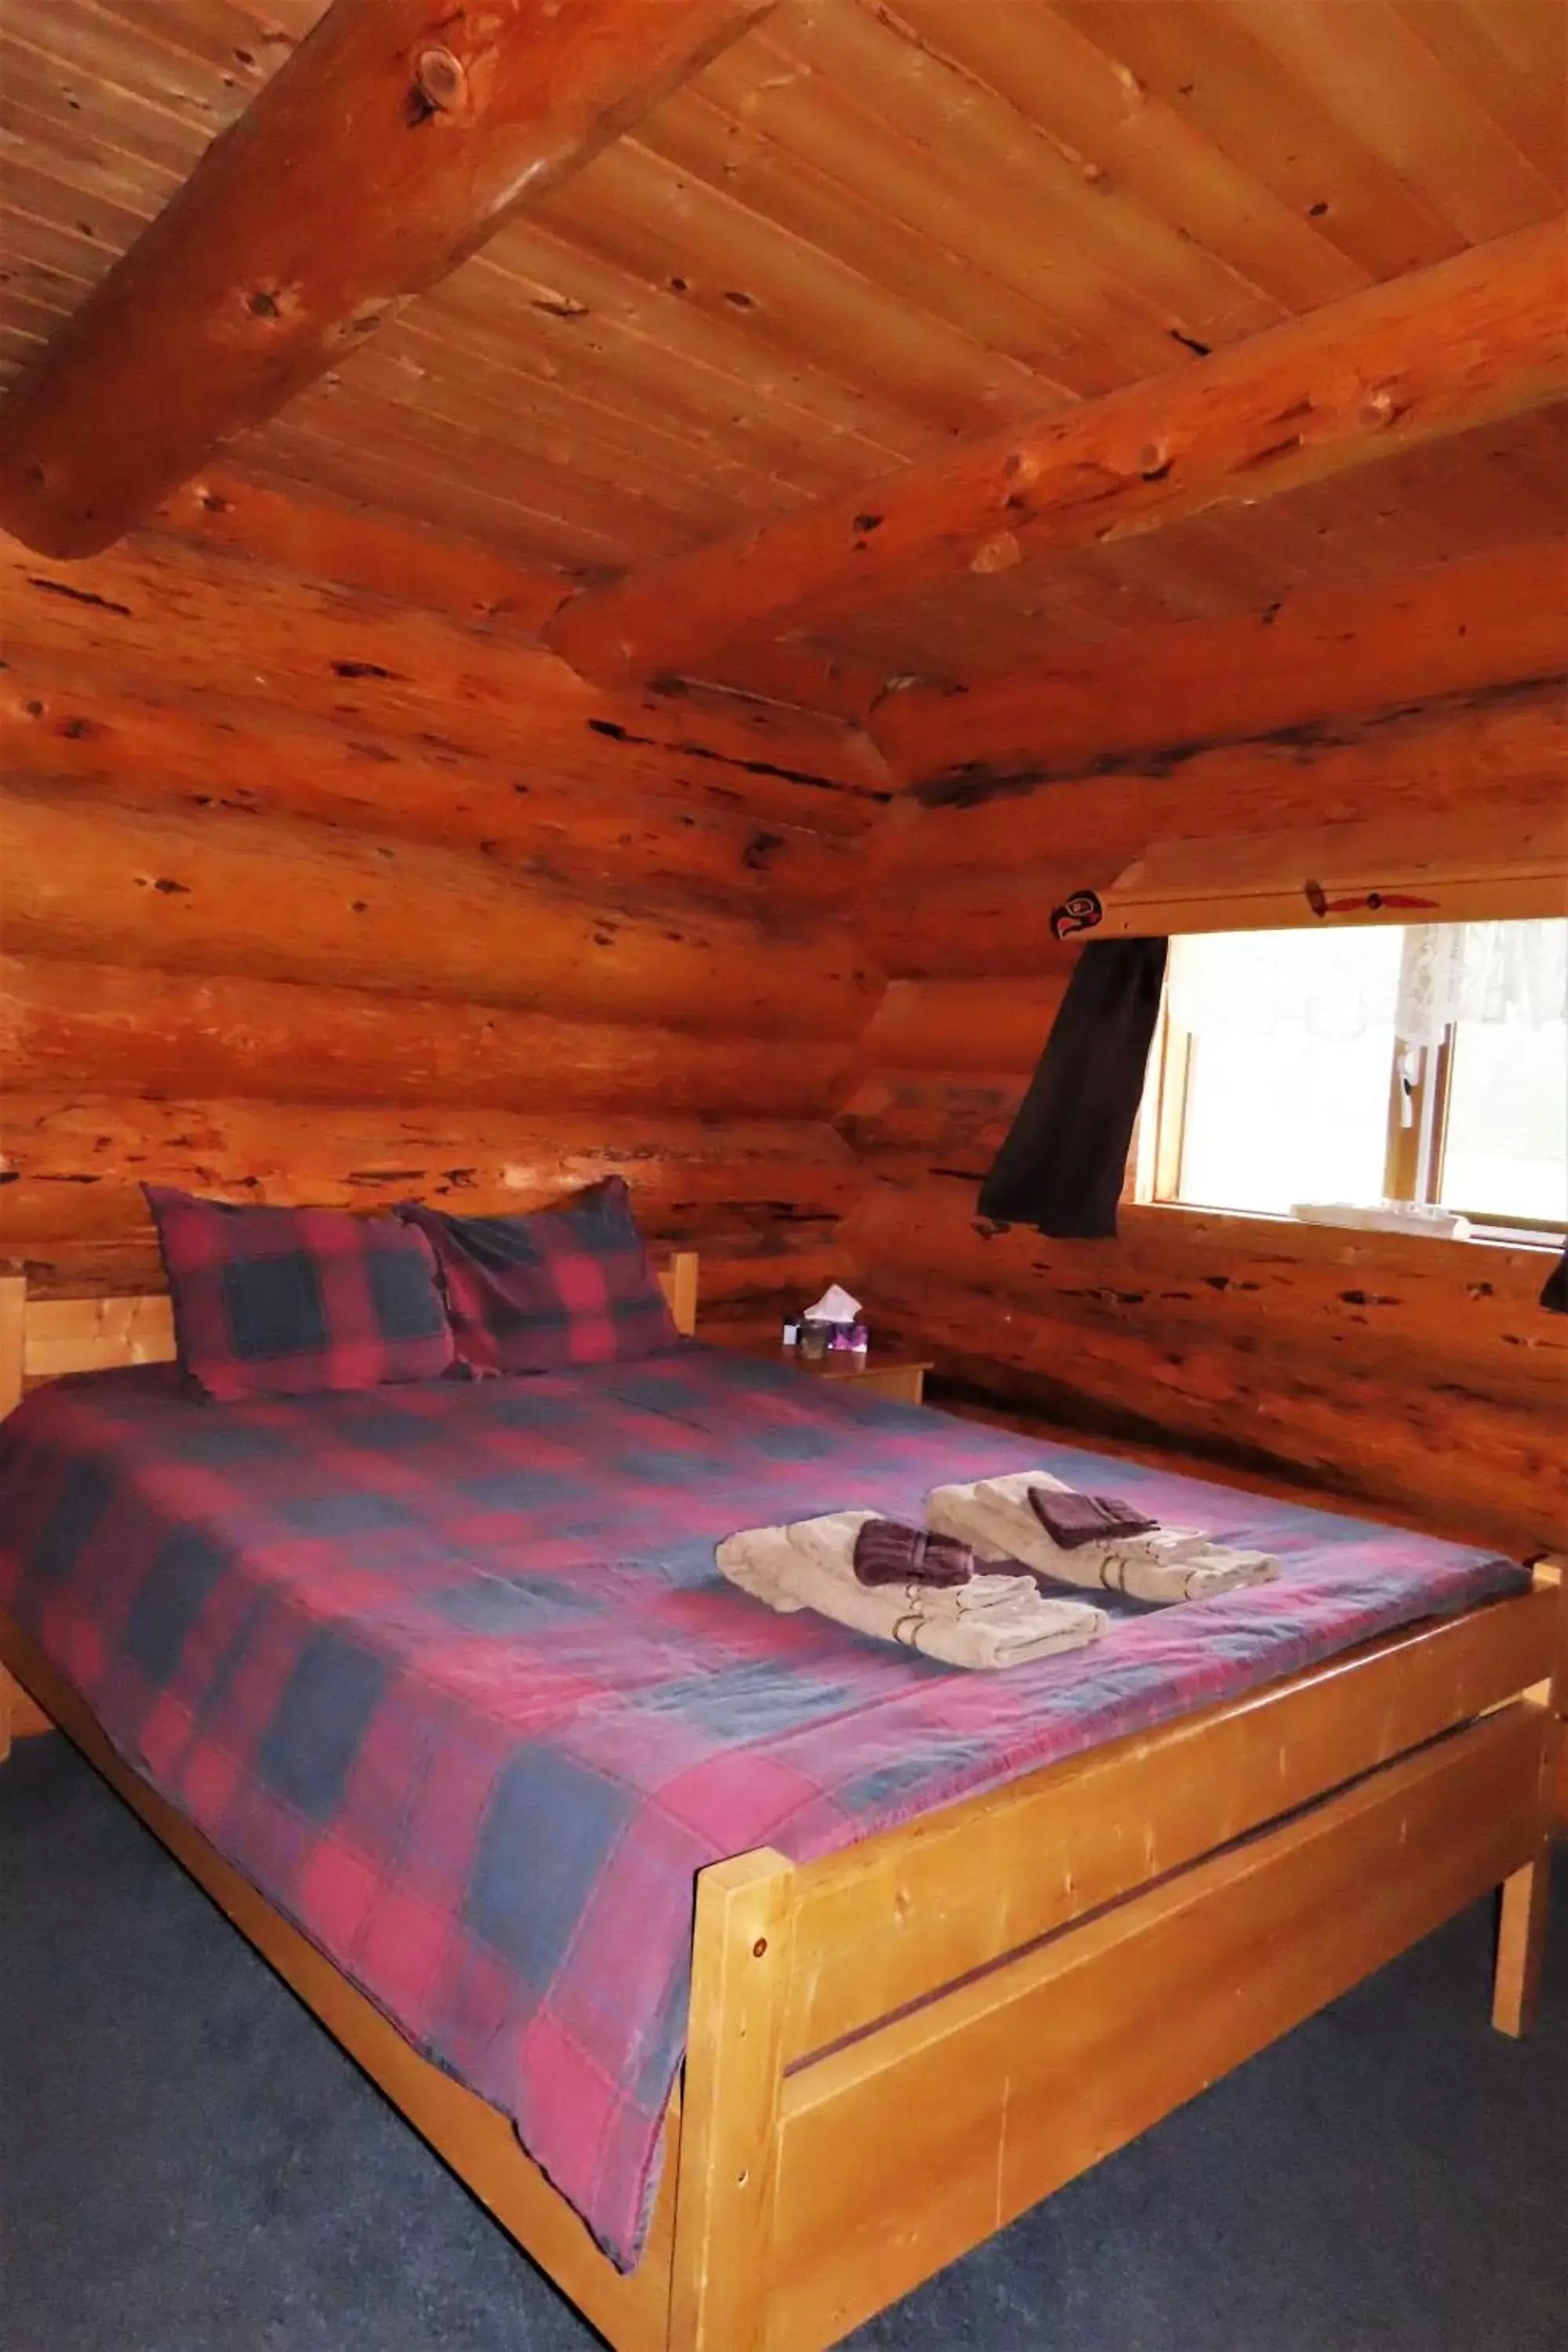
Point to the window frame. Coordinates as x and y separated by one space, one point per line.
1413 1152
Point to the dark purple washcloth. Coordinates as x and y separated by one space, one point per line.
1071 1519
888 1553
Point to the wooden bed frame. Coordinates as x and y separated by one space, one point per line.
895 2050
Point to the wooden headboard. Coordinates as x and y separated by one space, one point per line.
42 1337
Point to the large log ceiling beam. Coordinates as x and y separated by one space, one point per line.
1455 629
1469 341
393 141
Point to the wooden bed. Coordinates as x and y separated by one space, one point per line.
895 2049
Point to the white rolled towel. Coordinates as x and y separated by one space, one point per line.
990 1622
993 1517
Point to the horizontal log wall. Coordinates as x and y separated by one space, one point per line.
185 621
1316 651
969 882
307 893
1418 1375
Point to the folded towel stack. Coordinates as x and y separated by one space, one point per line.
984 1622
999 1520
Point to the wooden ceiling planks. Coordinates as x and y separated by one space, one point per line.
388 147
1106 262
1510 56
935 216
1119 136
1374 71
1210 62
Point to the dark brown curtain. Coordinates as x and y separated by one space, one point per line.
1062 1165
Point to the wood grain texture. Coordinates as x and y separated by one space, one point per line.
940 920
1521 1944
1464 869
1494 747
90 1335
1312 1290
851 240
1470 340
937 1901
194 623
274 945
13 1314
742 1949
318 540
225 892
962 1024
1421 1376
1418 1374
100 1027
75 1163
282 250
143 744
993 2098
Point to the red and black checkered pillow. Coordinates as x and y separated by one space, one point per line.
540 1292
285 1302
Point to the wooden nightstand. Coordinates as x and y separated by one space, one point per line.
894 1377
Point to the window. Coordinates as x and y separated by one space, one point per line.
1424 1070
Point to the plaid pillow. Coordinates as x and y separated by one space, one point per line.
534 1293
285 1302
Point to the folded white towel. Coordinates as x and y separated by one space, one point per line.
993 1517
990 1622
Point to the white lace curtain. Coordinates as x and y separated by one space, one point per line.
1494 972
1341 984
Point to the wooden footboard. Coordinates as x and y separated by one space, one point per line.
897 2050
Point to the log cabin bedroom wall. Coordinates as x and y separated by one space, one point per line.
1414 1371
604 657
314 893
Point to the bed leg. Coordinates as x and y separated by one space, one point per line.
729 2105
1522 1925
13 1304
1521 1946
12 1338
20 1713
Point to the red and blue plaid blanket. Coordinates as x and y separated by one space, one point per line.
447 1671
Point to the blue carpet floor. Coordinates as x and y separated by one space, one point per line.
189 2164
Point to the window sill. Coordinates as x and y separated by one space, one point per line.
1486 1235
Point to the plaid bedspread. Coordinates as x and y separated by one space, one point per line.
448 1671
